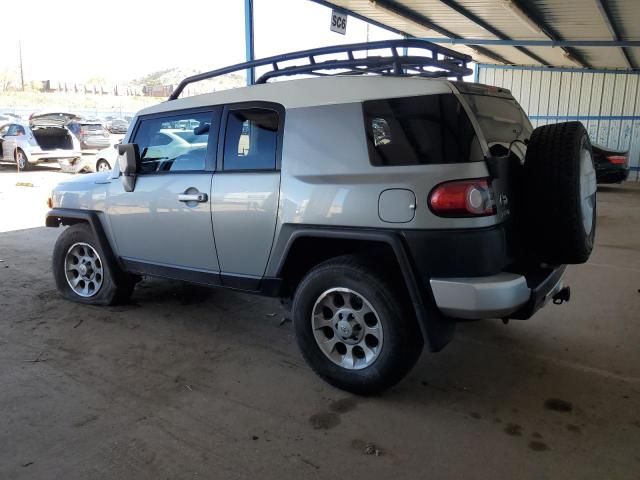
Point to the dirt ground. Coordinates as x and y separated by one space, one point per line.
187 382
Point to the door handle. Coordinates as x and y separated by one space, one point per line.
193 197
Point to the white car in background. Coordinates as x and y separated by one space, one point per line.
44 139
101 161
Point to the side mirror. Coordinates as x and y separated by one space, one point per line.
128 161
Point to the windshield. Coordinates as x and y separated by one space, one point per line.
501 119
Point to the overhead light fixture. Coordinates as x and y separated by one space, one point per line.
523 16
398 16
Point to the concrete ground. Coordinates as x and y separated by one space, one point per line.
187 382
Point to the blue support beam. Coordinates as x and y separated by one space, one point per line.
248 40
535 43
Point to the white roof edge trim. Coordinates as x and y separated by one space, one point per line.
312 92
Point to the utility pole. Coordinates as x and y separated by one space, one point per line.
21 70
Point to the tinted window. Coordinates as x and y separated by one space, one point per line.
500 119
417 130
166 148
251 139
15 130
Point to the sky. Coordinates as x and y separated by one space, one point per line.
121 40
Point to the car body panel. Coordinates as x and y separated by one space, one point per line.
151 225
245 206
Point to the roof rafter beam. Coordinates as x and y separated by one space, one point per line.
490 28
423 21
533 19
603 7
535 43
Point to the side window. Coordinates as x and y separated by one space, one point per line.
251 139
12 130
421 130
174 143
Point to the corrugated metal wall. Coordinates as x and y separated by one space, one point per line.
606 101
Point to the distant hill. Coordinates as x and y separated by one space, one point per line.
173 76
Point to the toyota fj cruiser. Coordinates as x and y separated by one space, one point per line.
382 204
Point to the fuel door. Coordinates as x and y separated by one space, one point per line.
397 205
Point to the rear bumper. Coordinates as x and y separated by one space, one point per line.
53 155
608 173
95 144
504 295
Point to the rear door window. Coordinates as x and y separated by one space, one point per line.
251 139
429 129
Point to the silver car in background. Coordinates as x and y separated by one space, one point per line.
44 139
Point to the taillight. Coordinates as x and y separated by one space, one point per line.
463 198
617 159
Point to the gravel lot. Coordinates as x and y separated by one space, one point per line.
187 382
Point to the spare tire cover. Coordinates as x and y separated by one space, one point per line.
560 194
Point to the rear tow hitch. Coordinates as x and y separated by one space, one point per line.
563 295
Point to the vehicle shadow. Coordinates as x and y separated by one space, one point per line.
11 168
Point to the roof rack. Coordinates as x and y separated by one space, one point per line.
442 62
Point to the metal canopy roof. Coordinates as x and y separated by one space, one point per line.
518 32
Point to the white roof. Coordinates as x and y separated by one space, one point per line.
311 92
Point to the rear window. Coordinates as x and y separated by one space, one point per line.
429 129
92 126
501 119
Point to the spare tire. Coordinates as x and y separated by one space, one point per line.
560 193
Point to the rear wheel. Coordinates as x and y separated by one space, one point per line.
102 166
81 269
21 161
353 328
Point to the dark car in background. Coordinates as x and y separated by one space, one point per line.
92 135
117 126
612 166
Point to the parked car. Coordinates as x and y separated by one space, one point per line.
44 139
612 166
91 133
101 161
381 209
117 126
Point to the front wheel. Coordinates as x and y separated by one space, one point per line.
21 161
103 166
82 272
353 328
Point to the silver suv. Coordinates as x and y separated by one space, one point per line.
382 204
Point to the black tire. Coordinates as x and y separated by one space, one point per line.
100 163
21 161
553 205
111 291
402 342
